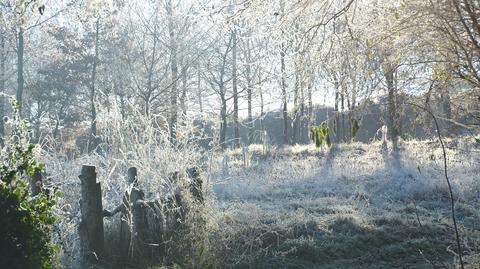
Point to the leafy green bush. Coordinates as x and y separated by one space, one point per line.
25 221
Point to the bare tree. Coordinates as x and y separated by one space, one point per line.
174 72
236 126
217 77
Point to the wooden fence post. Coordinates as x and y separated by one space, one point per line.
195 184
132 174
133 227
137 211
91 224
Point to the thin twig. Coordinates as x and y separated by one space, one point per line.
416 212
445 170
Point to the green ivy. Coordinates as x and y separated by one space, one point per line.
321 133
25 221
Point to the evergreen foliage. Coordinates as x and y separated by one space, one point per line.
25 221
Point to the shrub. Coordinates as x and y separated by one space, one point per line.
25 221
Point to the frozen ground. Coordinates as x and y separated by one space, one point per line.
352 207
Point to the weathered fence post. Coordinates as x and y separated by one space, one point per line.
195 184
91 224
138 212
132 229
132 174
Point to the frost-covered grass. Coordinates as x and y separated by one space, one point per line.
295 207
352 207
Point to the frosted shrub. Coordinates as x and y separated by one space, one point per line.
137 141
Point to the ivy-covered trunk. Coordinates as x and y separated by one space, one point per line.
392 107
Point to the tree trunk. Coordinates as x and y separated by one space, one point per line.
310 108
37 120
150 73
447 108
295 113
250 116
223 124
236 142
260 91
248 76
183 99
147 105
93 109
302 115
2 85
392 110
337 128
284 85
174 70
352 106
342 98
223 101
20 79
284 98
199 88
